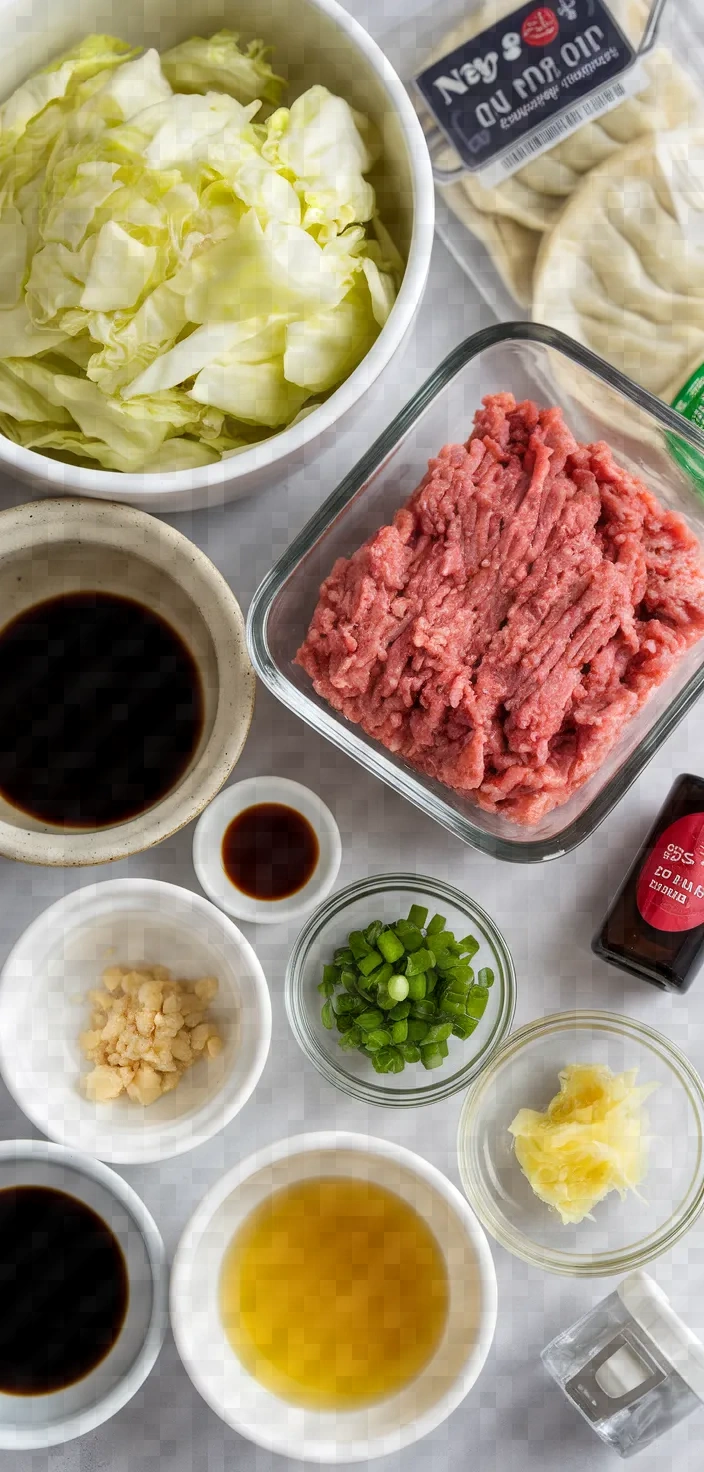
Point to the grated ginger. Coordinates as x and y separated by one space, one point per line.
588 1142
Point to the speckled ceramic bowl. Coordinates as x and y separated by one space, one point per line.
63 546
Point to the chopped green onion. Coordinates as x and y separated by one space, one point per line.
369 963
391 947
343 956
421 960
476 1002
398 992
424 1009
438 1032
416 987
453 1007
369 1020
410 1051
463 1027
417 1030
358 945
344 1002
351 1041
379 1037
417 915
398 987
388 1060
410 935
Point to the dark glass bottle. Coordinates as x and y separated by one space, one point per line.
655 926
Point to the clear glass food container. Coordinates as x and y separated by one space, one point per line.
599 403
386 897
621 1234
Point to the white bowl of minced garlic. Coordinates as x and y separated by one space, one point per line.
135 1020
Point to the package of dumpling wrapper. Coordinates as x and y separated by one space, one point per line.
567 142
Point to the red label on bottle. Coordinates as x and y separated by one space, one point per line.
540 27
670 893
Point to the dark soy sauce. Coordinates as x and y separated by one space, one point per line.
269 851
101 709
64 1290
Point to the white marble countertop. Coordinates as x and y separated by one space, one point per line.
514 1420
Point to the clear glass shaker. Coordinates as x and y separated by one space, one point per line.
630 1366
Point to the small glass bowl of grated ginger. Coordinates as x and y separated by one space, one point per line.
146 1030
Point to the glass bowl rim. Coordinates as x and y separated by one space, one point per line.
594 1265
370 1092
410 785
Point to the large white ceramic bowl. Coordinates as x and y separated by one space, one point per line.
313 41
48 548
333 1436
44 1007
41 1421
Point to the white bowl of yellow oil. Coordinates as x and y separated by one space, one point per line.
333 1298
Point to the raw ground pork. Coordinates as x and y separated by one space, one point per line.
517 612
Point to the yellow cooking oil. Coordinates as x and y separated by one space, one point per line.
334 1293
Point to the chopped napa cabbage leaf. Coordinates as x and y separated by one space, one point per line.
381 290
258 393
191 354
137 85
179 279
324 348
200 130
57 280
119 270
91 56
217 64
20 338
263 272
268 192
181 453
131 343
248 381
13 255
318 140
71 211
27 402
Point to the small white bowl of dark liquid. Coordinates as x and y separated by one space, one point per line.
84 1283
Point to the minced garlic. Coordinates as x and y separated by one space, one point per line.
146 1031
588 1142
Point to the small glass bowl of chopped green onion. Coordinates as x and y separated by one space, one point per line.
399 989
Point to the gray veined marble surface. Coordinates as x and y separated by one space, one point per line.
515 1420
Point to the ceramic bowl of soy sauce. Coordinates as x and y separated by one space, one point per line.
84 1307
126 692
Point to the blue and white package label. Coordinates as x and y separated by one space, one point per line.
528 81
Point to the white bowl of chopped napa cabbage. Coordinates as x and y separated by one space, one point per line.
202 265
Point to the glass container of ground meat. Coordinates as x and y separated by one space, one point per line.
647 440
